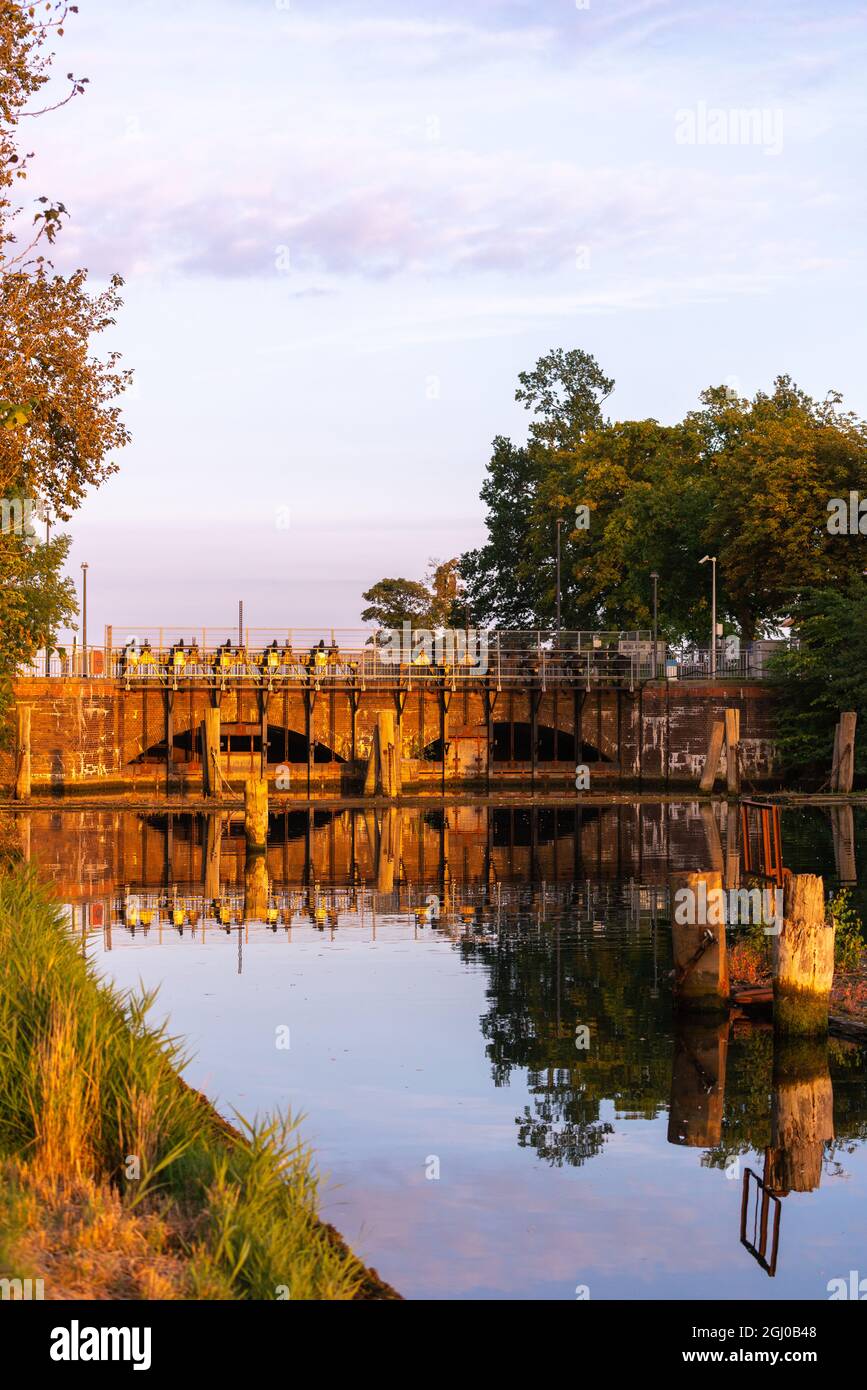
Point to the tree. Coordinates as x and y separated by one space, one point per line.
747 481
510 580
822 675
58 400
392 602
433 604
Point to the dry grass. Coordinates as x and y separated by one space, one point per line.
116 1179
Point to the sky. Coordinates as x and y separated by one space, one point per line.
345 227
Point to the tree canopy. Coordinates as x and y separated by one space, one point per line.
435 603
749 481
60 421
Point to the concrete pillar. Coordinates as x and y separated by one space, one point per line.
256 814
22 752
803 960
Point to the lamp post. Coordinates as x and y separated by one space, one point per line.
84 671
559 524
704 561
655 577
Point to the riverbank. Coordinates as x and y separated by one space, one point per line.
119 1181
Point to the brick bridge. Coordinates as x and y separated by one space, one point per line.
116 732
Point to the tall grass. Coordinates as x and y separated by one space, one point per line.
94 1114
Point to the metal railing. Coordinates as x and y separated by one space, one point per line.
363 656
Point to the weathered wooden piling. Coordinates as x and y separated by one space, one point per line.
211 752
389 755
715 741
371 776
803 959
698 1082
22 752
843 831
256 814
733 739
213 841
698 935
256 887
802 1114
843 767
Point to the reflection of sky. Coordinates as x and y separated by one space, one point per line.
389 1066
346 225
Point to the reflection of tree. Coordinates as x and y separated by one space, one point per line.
543 981
542 986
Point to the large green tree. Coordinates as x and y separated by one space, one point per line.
510 580
822 674
60 422
748 481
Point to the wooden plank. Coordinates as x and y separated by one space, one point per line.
733 738
835 759
714 749
843 831
846 770
712 837
22 752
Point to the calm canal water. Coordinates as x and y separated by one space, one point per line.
433 972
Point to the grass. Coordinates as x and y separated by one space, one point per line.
117 1180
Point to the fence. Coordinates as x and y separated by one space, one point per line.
362 656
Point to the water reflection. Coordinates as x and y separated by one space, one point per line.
561 916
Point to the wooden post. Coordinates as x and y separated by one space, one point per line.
213 840
733 738
803 960
846 768
370 776
732 848
256 887
211 752
22 752
712 837
256 814
843 831
835 758
802 1114
387 753
711 762
698 1082
701 977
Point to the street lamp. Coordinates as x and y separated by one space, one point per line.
655 577
559 524
704 561
84 617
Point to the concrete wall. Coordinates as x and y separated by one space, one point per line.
95 736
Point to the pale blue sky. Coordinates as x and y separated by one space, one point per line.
346 227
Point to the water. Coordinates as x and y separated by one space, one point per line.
473 1147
